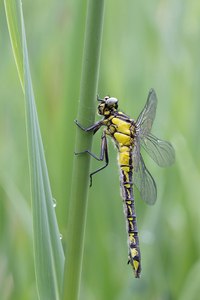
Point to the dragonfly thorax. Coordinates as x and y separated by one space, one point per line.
107 105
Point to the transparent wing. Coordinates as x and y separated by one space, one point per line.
145 120
160 151
142 178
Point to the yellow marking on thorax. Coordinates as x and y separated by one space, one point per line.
122 126
123 139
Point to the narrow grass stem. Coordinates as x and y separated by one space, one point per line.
80 175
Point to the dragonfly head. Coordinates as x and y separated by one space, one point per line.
107 105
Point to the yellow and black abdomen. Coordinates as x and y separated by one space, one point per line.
121 129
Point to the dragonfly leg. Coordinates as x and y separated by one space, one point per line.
103 156
93 128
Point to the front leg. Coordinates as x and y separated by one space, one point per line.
94 128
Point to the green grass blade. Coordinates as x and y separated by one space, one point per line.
80 176
13 20
49 257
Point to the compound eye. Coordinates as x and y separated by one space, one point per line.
111 101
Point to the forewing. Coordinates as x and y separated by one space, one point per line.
142 178
162 152
146 118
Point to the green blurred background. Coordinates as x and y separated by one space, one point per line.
145 44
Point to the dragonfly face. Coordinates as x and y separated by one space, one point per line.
107 105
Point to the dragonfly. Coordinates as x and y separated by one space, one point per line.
129 137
